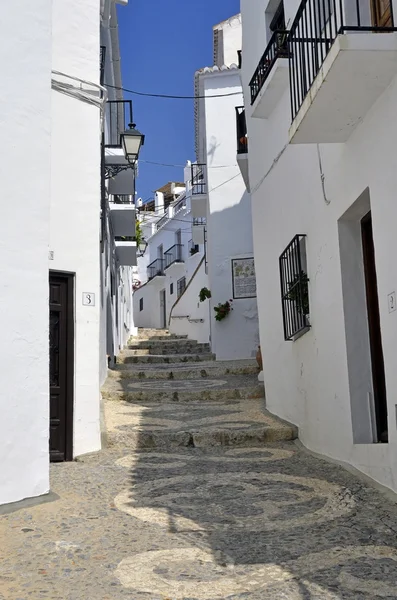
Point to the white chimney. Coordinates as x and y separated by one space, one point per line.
159 202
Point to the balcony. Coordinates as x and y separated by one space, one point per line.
122 215
193 248
342 58
156 269
173 256
118 115
198 231
271 76
198 184
126 251
242 144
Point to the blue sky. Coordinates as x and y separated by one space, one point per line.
163 42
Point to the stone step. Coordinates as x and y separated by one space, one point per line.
181 371
185 391
166 344
243 423
160 334
125 358
165 351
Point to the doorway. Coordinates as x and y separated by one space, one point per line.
375 335
61 359
381 13
163 310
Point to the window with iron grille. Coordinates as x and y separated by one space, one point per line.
141 304
171 289
180 286
294 288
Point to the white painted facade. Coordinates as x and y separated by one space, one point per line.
75 223
25 123
322 381
56 112
228 204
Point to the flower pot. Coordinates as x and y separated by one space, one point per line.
259 358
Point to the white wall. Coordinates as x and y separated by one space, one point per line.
75 202
307 381
230 40
229 223
25 126
190 305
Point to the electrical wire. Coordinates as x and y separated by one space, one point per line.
170 96
160 164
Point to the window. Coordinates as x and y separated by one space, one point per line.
181 286
294 288
171 289
140 304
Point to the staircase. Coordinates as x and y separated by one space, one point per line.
168 391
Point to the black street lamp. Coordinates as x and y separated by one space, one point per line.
132 140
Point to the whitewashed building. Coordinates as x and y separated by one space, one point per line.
320 95
170 265
223 200
54 289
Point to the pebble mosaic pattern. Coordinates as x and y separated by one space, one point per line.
222 524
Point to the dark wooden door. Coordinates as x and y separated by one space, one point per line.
61 367
381 13
375 335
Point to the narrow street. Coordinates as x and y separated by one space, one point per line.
200 495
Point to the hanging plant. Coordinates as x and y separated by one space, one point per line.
223 309
204 294
298 292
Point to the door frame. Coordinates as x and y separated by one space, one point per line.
163 309
69 420
374 327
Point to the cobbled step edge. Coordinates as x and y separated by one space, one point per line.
135 372
164 359
183 396
159 351
243 438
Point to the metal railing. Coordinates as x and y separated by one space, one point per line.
193 248
118 115
102 62
180 286
241 127
276 48
121 199
199 180
199 221
315 28
173 255
156 268
162 221
180 205
294 288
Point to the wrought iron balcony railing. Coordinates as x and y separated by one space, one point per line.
241 126
156 268
173 255
102 59
315 29
121 199
118 115
193 248
199 180
276 48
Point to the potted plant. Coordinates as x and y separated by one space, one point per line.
298 292
223 309
204 294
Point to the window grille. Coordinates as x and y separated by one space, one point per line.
294 288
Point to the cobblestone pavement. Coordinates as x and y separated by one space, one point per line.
267 523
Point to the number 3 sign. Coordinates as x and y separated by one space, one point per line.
88 299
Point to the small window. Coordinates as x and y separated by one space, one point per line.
140 304
171 289
181 286
294 288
